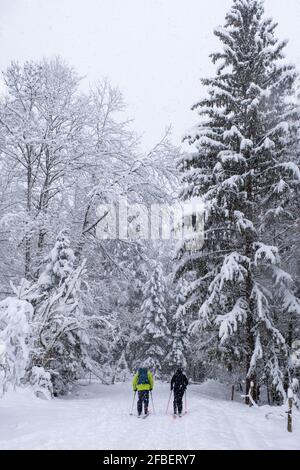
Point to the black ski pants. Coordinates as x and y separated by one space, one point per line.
177 403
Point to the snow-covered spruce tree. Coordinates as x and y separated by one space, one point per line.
122 371
244 172
60 326
180 342
59 264
126 339
154 334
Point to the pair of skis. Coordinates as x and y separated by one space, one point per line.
147 414
174 416
179 415
185 405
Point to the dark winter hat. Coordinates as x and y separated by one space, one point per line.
179 370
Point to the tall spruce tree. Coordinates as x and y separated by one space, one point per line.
154 335
180 342
245 173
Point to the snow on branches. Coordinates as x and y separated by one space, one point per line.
15 318
154 332
244 173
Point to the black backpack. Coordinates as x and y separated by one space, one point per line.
179 381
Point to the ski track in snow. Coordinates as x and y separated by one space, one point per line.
97 417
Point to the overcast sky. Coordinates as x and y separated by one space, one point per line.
155 51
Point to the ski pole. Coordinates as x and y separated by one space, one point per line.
152 402
169 401
132 403
185 402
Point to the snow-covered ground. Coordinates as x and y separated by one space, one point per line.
97 417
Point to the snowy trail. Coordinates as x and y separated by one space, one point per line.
97 417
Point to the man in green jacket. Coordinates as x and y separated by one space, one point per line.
143 383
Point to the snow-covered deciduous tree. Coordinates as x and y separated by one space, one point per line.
42 120
62 154
245 171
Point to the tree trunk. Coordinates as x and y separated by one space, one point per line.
250 318
268 393
290 404
28 241
251 380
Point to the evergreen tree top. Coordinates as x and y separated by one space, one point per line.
246 118
60 262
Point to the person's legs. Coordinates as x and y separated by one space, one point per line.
146 401
179 402
140 402
175 402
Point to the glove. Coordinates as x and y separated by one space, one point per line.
134 389
150 389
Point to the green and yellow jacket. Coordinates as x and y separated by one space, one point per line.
141 387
